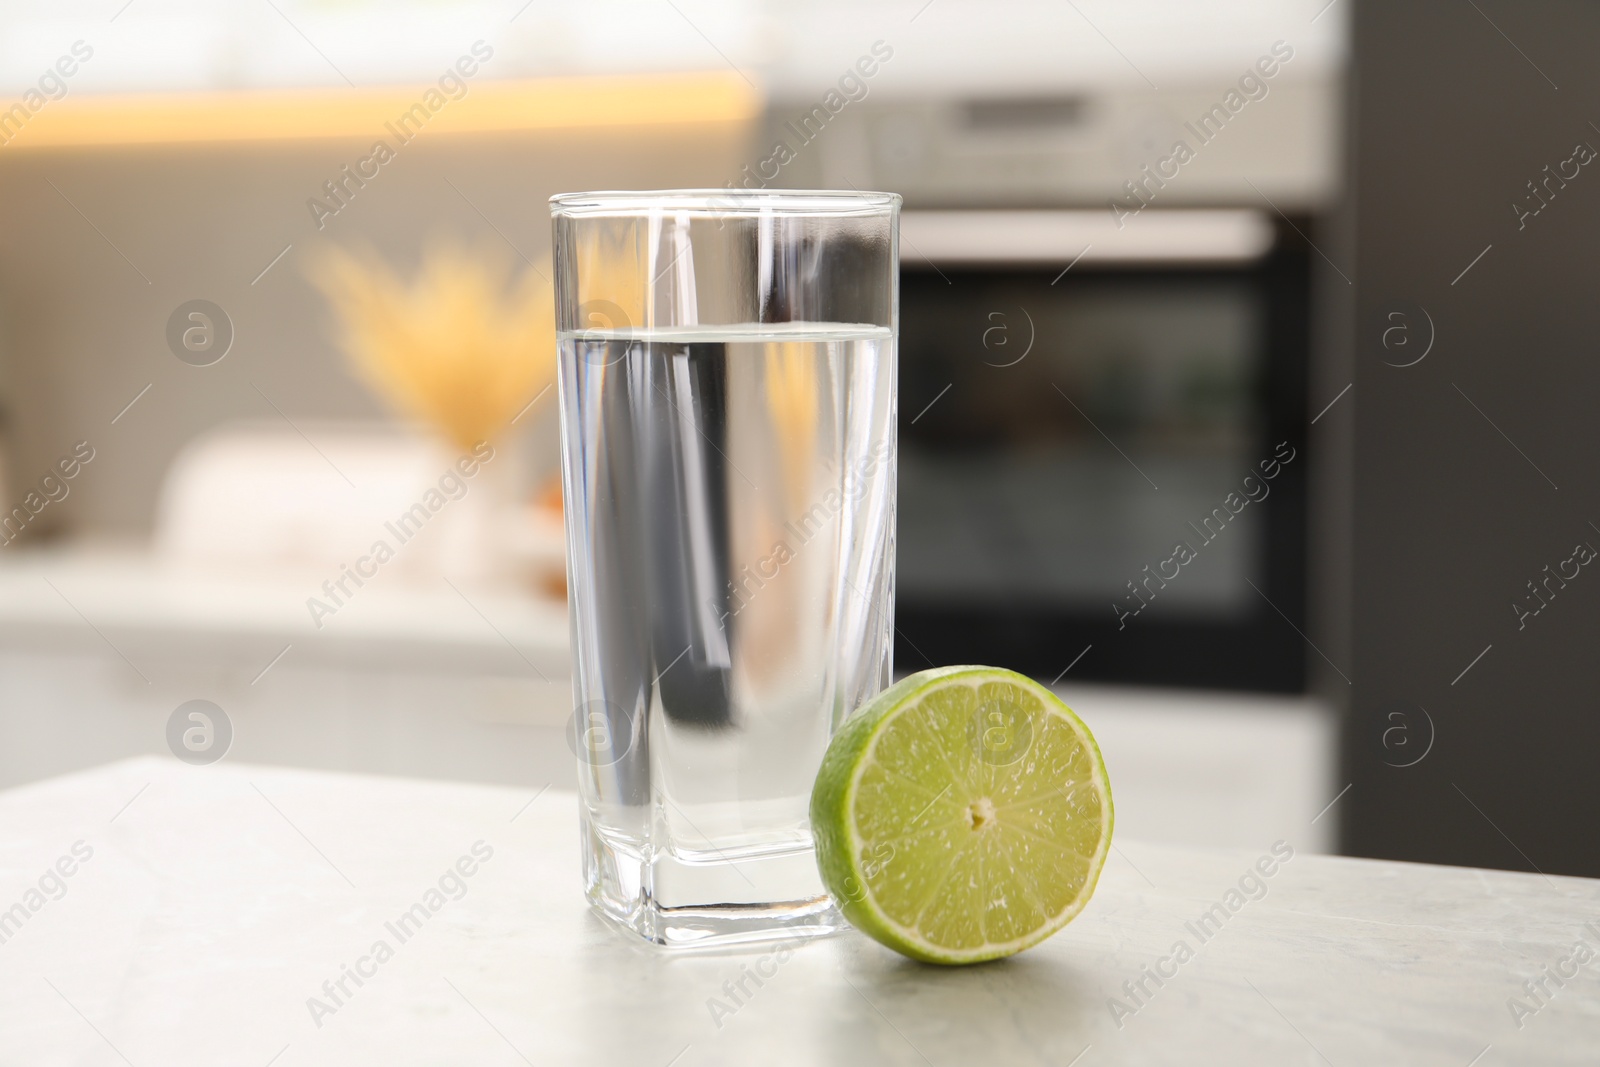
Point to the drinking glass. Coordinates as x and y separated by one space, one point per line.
728 447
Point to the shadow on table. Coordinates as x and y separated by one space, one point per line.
1029 1008
837 1000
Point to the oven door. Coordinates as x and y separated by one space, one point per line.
1102 465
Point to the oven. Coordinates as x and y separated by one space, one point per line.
1102 468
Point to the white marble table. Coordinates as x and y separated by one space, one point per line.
217 901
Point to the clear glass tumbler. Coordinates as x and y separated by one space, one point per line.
728 445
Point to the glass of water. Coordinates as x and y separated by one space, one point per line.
728 446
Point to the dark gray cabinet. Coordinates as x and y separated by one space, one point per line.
1473 243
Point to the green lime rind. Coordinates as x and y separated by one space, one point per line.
1024 882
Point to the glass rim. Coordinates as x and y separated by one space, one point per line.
724 202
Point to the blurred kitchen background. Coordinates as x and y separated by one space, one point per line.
1105 351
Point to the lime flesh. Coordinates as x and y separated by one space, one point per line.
961 815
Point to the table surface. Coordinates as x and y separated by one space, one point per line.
207 906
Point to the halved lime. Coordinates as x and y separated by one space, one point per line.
961 815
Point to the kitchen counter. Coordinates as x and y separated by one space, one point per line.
422 680
207 906
132 604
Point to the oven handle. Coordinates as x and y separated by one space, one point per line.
1071 236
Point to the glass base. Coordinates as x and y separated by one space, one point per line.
728 898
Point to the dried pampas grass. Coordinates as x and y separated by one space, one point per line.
464 346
